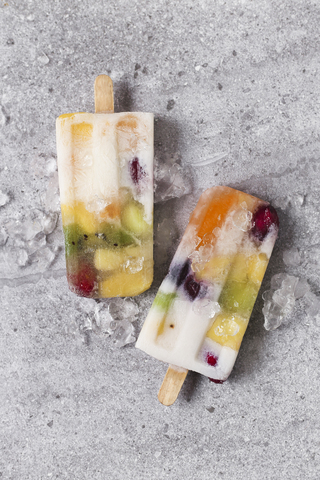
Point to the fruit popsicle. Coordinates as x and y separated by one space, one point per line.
105 165
203 306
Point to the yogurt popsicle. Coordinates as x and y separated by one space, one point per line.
203 306
105 164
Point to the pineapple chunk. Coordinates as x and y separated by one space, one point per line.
215 269
228 330
77 213
239 269
123 285
257 267
105 259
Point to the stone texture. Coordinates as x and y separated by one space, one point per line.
234 88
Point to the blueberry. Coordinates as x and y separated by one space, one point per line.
192 287
179 272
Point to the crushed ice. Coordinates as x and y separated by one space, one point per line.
280 300
24 241
113 317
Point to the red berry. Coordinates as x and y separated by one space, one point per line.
83 281
263 219
137 172
211 359
215 381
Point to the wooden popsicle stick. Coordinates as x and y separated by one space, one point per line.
171 385
103 94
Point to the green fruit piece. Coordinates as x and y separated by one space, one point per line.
74 238
163 300
115 236
132 219
95 241
238 297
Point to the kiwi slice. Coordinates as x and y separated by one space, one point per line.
74 238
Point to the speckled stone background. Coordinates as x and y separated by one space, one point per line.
235 90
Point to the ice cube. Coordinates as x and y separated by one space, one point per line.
277 279
242 219
123 308
49 222
3 237
134 265
313 304
4 198
272 316
104 319
302 288
289 284
206 307
171 181
37 242
52 201
124 333
22 257
292 257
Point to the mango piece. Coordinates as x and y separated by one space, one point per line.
111 211
228 330
123 285
132 219
106 260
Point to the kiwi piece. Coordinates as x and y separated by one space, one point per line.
164 300
238 297
74 238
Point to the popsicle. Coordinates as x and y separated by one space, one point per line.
105 166
203 306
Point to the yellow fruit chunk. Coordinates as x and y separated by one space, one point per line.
228 330
257 265
132 219
105 259
215 269
77 213
239 269
68 115
82 131
123 284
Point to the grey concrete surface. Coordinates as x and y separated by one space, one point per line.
234 86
